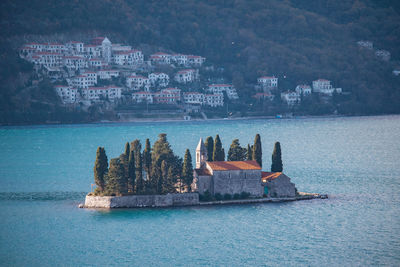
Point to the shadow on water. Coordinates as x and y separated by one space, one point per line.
42 196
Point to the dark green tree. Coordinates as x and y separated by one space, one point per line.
218 152
140 183
277 165
100 168
236 152
187 170
147 157
131 172
209 144
249 152
116 184
127 150
136 145
257 150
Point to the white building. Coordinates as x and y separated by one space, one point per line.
128 58
214 100
85 80
168 96
67 94
92 51
220 88
303 89
97 63
142 96
195 60
366 44
268 82
179 59
107 74
324 87
193 98
290 97
75 62
138 82
186 76
159 78
383 54
48 59
119 47
105 47
110 93
74 47
160 58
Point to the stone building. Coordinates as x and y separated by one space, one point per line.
235 177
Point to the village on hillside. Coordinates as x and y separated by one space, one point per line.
105 73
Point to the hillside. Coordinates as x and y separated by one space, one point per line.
297 41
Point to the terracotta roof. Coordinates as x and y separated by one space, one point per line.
268 176
203 172
234 165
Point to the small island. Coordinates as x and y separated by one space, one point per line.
156 177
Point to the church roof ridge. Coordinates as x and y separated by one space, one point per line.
233 165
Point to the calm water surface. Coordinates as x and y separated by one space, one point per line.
46 170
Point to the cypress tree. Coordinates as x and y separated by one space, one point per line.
236 152
140 189
257 150
277 165
218 152
116 178
165 179
127 150
249 152
147 157
209 144
187 169
100 168
131 172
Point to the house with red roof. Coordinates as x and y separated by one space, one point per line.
236 177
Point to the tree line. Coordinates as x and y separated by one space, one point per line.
155 170
238 153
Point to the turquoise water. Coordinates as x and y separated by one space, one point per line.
46 170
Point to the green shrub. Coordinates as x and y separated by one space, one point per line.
218 196
244 195
236 196
227 196
206 196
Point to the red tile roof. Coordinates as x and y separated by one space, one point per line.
234 165
268 176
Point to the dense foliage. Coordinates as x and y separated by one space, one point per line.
298 41
277 165
236 152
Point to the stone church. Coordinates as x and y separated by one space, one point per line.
235 177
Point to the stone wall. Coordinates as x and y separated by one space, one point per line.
281 187
238 181
137 201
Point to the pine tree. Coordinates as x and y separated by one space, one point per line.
100 168
116 178
131 172
249 152
209 144
277 165
218 152
236 152
187 170
257 150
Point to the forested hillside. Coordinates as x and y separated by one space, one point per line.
297 41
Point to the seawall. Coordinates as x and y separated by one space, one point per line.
141 201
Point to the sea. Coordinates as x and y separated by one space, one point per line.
45 172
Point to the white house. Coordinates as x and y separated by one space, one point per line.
159 78
67 94
92 51
303 89
142 96
290 97
268 82
97 63
128 58
214 100
84 80
366 44
220 88
179 59
119 47
193 98
324 87
168 96
383 54
107 74
138 82
102 93
75 62
48 59
75 47
160 58
186 76
195 60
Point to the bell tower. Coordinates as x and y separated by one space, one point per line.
201 154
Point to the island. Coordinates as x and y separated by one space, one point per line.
156 177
